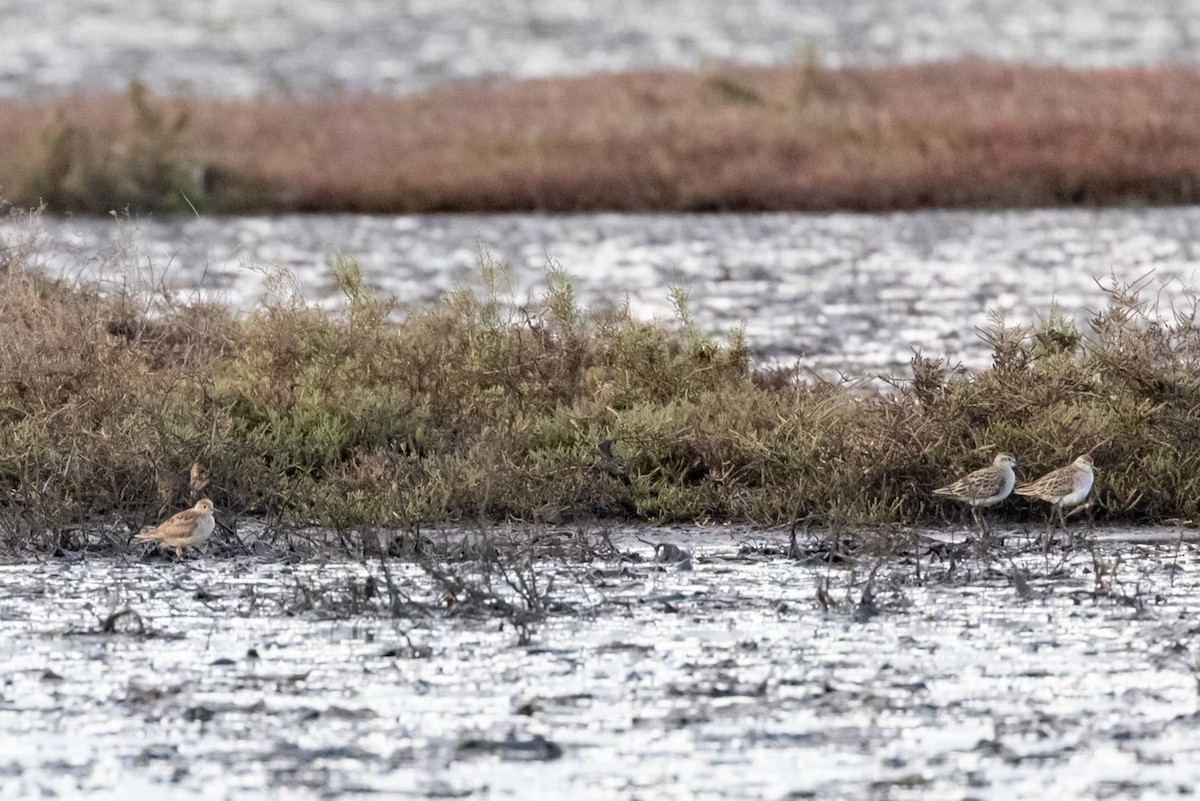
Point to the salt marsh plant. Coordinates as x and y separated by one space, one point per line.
478 408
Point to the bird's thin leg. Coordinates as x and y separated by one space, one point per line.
978 539
983 529
1045 538
1056 514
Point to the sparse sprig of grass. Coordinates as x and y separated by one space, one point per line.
142 159
478 407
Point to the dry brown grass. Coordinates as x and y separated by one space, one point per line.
967 133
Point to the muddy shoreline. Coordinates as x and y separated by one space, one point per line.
249 539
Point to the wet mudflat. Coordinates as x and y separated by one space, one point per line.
740 673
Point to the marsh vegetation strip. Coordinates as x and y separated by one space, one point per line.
309 47
850 293
118 399
967 134
749 675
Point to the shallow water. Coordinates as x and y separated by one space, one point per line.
728 680
306 47
856 293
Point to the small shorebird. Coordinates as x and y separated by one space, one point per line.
1065 487
190 528
985 487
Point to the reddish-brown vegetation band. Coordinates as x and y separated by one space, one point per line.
968 133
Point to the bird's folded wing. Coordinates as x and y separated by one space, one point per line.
1041 485
989 482
180 525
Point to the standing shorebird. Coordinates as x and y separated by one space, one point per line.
190 528
985 487
1065 487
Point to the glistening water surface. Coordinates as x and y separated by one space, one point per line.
740 674
306 47
855 293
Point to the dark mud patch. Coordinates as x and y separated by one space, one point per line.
751 675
